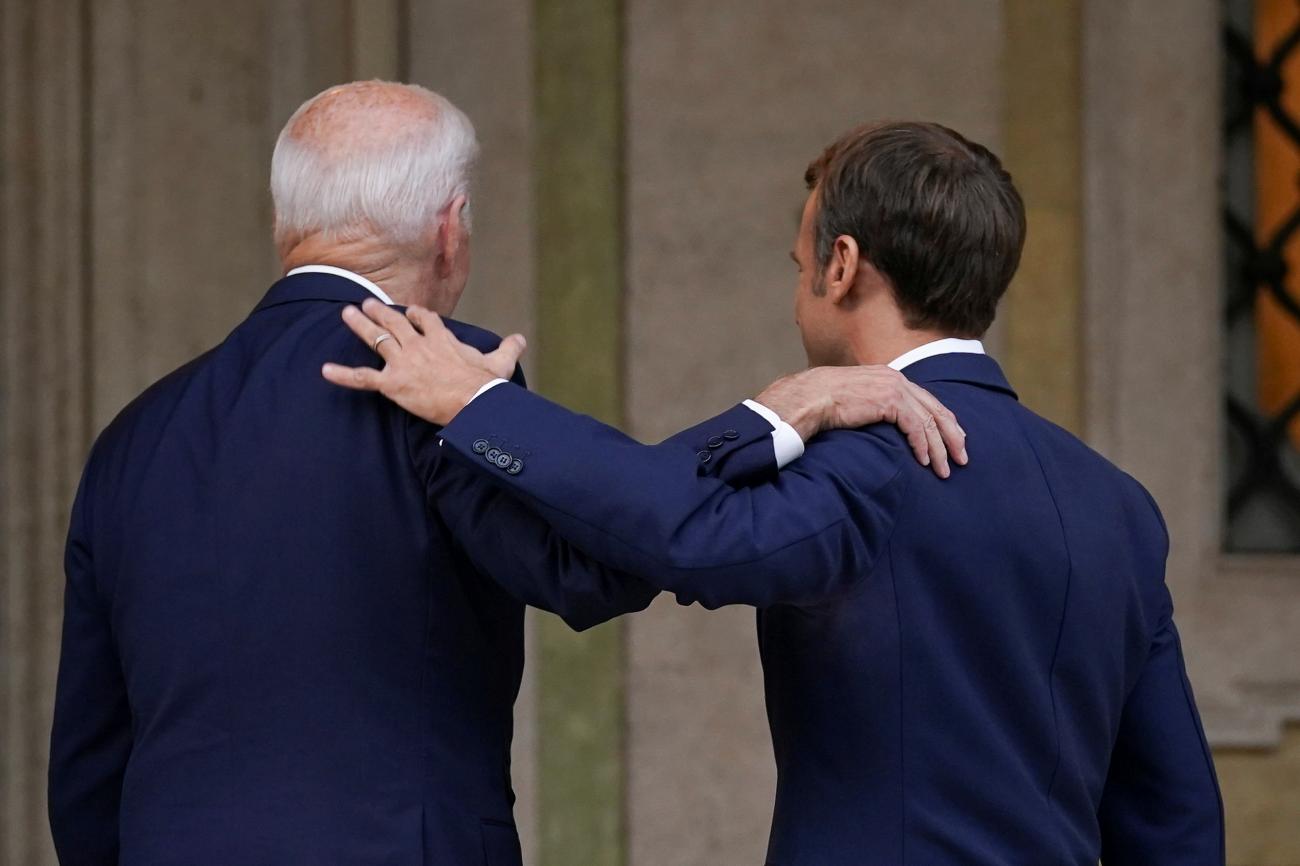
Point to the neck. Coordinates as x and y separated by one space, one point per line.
868 345
405 276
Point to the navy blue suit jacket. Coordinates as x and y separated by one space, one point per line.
281 645
983 670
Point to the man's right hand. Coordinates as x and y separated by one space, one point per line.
830 398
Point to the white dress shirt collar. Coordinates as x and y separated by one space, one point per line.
944 346
369 286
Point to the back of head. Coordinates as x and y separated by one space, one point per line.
370 159
933 212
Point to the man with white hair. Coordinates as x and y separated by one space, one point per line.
281 641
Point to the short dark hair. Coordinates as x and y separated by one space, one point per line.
935 213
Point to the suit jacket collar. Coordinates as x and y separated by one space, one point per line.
314 287
970 369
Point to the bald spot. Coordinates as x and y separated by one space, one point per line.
360 115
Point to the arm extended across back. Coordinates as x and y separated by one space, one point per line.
507 541
649 510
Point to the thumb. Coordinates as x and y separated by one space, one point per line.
503 361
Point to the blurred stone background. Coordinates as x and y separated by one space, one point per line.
639 190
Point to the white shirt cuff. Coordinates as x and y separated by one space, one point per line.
787 443
479 393
488 387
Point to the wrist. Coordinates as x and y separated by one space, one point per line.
805 421
800 407
465 393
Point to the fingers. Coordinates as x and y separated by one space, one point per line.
938 451
361 325
909 418
425 321
953 436
390 320
356 378
917 423
503 361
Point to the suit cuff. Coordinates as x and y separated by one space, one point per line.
787 443
488 387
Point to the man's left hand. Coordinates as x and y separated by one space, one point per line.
829 398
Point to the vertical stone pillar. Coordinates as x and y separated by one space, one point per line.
578 188
187 103
44 358
377 31
1042 316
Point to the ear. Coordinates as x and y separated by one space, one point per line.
451 234
842 269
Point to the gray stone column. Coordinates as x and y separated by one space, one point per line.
188 99
44 426
1042 316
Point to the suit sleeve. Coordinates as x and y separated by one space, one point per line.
91 739
511 544
521 552
742 451
650 510
1161 802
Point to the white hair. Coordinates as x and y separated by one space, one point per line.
393 183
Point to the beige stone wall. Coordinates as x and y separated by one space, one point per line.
43 395
478 54
136 210
1261 793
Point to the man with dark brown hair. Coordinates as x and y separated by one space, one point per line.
943 280
983 670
